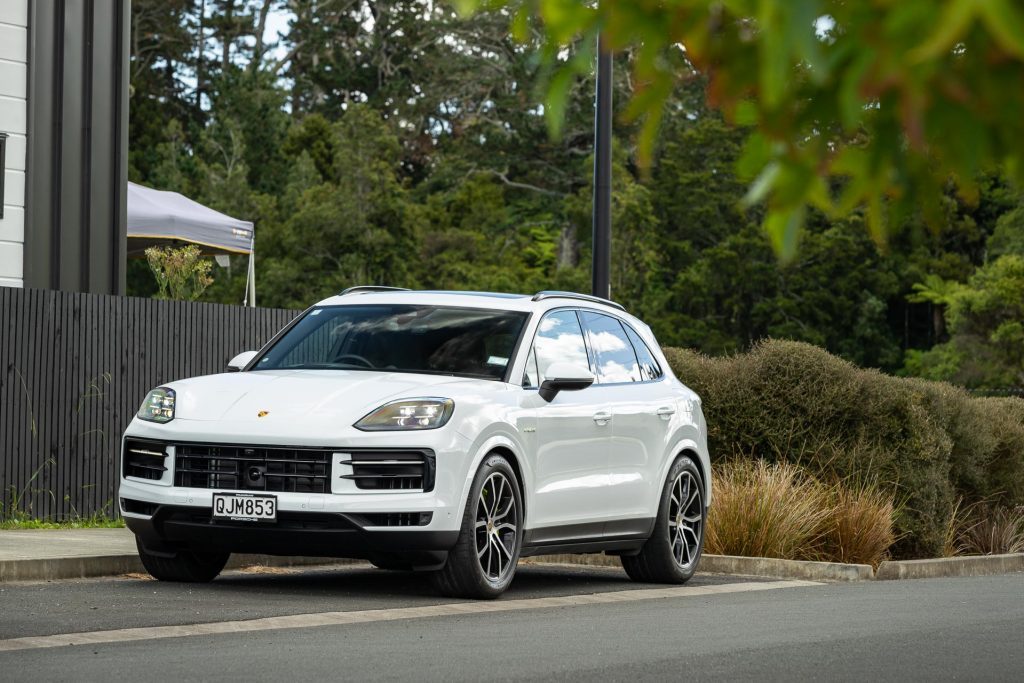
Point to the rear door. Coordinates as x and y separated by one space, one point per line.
642 409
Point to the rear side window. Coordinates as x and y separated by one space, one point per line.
559 339
649 368
613 352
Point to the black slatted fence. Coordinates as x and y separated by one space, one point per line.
74 369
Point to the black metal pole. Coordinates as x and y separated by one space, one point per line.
601 270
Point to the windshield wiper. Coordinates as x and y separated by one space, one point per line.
326 366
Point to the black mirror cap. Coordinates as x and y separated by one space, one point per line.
549 388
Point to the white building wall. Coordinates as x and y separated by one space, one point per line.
14 122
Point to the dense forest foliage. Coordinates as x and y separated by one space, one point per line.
394 142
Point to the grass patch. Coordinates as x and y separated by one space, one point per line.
97 521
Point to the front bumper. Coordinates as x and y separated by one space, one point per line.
167 514
319 534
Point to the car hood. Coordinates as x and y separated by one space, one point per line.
302 395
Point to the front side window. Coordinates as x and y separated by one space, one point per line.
559 340
465 342
613 352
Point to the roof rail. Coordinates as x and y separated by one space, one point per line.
364 289
553 294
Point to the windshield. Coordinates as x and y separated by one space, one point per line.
467 342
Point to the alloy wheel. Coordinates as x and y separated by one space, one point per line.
685 519
496 527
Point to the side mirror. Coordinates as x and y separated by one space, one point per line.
564 377
240 361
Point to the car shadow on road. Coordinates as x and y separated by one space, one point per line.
332 583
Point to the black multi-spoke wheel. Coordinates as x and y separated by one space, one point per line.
483 561
672 552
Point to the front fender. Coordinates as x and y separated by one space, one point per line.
498 436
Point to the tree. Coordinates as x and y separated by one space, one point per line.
892 99
986 322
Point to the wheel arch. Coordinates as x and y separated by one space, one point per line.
686 446
508 449
513 460
705 476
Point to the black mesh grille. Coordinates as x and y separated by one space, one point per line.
253 468
144 459
396 518
391 470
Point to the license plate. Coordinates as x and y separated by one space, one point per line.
244 507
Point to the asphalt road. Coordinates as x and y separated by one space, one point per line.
556 622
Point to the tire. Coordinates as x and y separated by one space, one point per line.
186 566
673 551
490 523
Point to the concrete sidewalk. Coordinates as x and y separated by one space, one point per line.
52 554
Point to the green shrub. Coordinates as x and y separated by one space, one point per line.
794 402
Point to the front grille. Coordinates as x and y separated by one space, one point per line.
391 470
144 459
252 468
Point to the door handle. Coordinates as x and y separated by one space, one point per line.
666 412
602 418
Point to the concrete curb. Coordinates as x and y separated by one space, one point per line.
981 565
744 566
58 568
789 569
52 569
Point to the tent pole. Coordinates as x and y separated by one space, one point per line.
252 281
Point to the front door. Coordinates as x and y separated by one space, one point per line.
573 436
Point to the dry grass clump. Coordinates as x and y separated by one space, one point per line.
861 529
994 532
763 510
776 510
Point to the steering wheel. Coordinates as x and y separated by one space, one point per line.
359 360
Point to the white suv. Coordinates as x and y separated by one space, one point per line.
447 431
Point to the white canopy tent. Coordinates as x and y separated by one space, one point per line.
155 216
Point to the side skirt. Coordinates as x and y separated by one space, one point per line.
621 536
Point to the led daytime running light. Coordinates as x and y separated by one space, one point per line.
409 414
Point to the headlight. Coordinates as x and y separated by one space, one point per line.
416 413
158 406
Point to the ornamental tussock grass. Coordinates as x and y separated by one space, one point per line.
763 510
777 510
994 532
861 527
